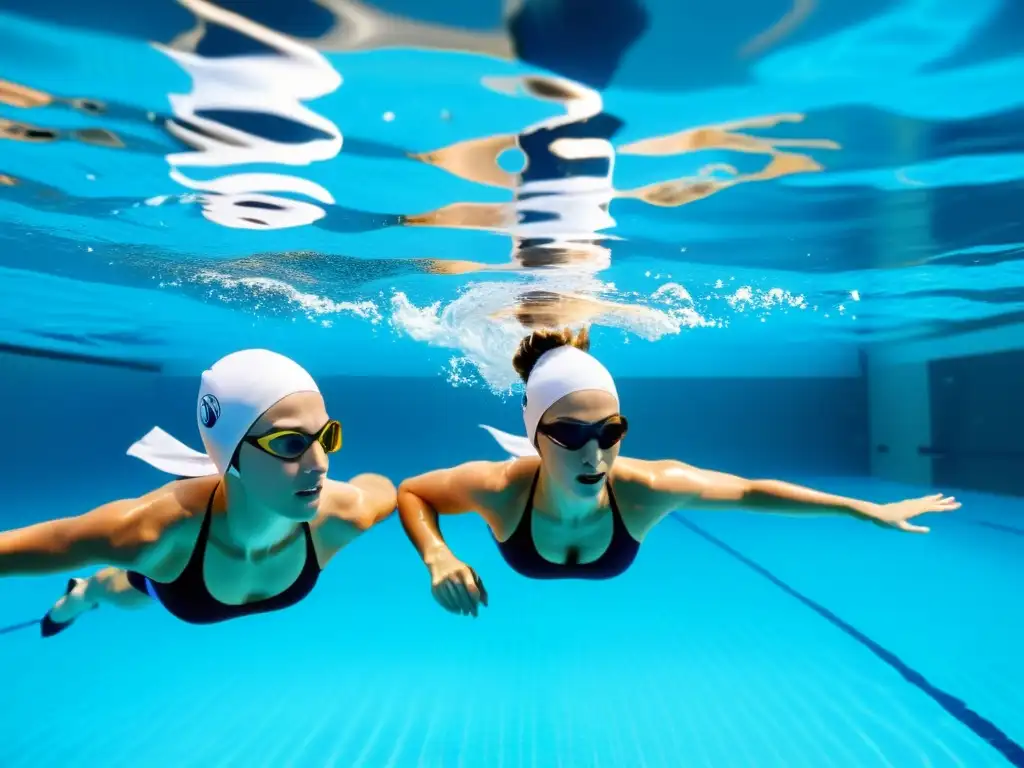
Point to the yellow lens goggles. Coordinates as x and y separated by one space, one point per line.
292 444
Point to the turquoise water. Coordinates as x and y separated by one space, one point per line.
794 229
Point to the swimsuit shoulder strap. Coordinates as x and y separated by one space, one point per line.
523 527
311 558
194 567
618 524
204 532
528 510
533 489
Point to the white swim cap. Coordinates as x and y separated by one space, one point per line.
558 372
233 394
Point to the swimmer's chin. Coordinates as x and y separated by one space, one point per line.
301 510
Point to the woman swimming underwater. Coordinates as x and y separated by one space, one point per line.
568 506
245 529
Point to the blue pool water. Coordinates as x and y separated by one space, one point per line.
794 230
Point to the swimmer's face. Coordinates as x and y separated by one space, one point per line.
282 485
579 471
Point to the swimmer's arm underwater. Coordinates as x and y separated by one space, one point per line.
441 492
454 491
681 486
128 533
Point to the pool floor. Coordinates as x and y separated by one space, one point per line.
736 640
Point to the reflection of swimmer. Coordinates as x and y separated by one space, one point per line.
223 118
25 97
484 323
476 160
243 108
729 137
558 219
244 530
567 506
575 257
540 309
44 197
563 195
34 134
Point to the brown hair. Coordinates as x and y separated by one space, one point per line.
537 343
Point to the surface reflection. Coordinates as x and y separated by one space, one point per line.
14 130
232 97
569 162
537 309
787 158
363 27
25 97
560 219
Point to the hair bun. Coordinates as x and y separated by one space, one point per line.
537 343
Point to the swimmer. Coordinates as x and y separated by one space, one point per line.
567 506
244 529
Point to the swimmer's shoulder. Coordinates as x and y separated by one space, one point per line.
497 490
172 510
503 488
637 482
646 491
499 480
628 472
520 474
488 487
363 501
142 532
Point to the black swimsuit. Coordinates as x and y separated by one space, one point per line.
521 553
189 599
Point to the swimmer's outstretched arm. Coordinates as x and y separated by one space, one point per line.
672 485
130 533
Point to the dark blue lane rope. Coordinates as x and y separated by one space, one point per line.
1000 527
983 728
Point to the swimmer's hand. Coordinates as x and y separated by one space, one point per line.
899 513
456 586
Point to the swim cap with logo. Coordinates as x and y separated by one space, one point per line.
233 394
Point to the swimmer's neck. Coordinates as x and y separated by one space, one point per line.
252 527
552 502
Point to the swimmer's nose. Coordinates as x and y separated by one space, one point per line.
592 455
315 460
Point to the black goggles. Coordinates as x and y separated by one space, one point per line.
573 435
